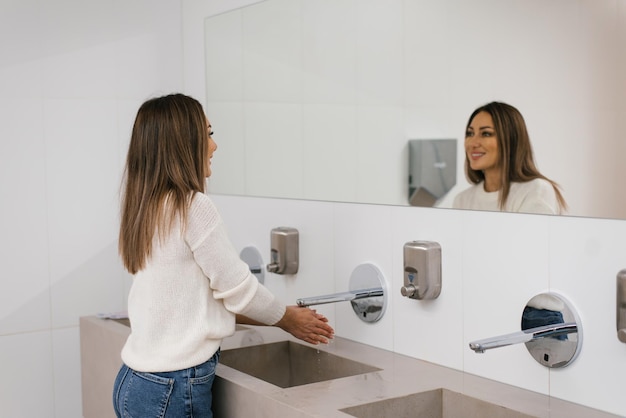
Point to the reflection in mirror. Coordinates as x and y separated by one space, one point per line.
317 100
432 170
558 327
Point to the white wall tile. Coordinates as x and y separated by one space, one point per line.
73 24
250 221
67 374
27 359
81 73
505 263
363 235
20 32
82 193
430 329
135 59
25 297
585 258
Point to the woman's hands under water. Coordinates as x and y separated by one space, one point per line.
306 324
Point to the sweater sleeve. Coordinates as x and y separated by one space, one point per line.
229 277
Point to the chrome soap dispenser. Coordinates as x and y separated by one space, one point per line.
284 251
422 270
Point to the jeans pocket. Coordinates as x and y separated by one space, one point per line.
147 395
201 386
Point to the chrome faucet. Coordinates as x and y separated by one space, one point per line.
524 336
341 297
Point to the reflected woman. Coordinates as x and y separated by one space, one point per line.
499 162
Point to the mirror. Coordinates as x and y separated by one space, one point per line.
318 99
557 330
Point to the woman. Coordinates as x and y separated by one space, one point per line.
189 285
499 162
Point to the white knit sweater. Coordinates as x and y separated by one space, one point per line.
534 196
184 301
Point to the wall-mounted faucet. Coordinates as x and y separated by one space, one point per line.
284 251
341 297
523 336
551 331
366 294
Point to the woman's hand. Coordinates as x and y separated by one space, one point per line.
306 324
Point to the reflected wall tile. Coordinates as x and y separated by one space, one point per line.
272 53
329 45
506 261
26 358
329 152
224 57
273 140
379 69
429 329
24 251
428 63
228 166
363 234
381 156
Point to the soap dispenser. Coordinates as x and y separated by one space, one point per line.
284 251
422 270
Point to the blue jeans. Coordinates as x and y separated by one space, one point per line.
177 394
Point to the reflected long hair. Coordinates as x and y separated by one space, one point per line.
515 151
165 166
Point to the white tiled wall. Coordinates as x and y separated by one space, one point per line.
492 264
72 74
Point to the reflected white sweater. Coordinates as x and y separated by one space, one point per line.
535 196
184 301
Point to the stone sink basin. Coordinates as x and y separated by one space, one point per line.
287 364
438 403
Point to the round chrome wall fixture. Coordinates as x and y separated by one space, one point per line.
557 329
366 279
252 257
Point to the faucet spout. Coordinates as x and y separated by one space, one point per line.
524 336
341 297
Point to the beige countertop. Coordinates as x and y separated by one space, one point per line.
237 394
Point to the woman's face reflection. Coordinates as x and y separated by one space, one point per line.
481 145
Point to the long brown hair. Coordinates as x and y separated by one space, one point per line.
165 165
515 151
